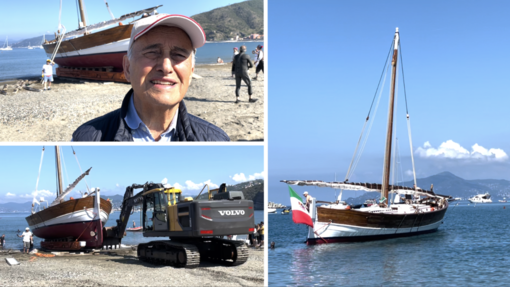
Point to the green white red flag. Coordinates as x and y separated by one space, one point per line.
299 212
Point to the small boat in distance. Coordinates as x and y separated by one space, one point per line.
481 198
286 211
503 200
135 229
6 46
271 210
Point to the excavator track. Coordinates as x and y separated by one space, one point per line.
170 253
226 252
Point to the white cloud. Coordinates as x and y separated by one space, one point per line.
240 177
10 194
190 185
453 150
43 193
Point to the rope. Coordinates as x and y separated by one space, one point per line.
60 16
78 13
65 170
39 174
87 226
108 7
81 171
355 159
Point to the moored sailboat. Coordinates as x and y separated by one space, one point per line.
70 224
6 46
413 210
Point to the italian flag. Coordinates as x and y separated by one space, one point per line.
299 212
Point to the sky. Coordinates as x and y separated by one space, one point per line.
116 167
324 67
40 17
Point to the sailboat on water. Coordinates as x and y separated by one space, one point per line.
6 46
413 211
70 224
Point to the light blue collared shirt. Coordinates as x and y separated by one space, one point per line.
141 132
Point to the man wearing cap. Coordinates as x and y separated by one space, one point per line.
259 64
47 73
243 63
159 65
27 238
308 200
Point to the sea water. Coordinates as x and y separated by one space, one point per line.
10 223
21 63
471 248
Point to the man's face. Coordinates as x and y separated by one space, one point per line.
160 67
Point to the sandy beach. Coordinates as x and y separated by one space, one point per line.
122 268
54 115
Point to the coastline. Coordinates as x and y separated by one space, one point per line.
54 115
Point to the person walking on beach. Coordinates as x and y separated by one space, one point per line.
261 234
259 63
243 63
159 64
27 238
47 73
236 51
2 241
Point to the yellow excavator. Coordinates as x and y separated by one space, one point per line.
196 227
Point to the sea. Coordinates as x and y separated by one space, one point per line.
10 223
21 63
470 248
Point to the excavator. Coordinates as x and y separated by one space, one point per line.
196 227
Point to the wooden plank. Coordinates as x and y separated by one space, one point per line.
92 75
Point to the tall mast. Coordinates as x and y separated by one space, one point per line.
82 13
59 171
389 135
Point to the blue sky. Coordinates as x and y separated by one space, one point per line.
35 18
324 67
115 167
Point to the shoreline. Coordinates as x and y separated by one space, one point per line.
54 115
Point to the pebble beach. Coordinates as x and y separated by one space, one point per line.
54 115
122 268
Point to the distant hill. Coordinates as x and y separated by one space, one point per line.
35 41
447 183
241 19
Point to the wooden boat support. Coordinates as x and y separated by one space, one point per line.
98 74
61 245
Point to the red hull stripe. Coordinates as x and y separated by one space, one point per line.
94 60
74 230
315 241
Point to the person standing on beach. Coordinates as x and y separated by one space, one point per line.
27 239
259 64
2 241
47 73
236 51
243 63
159 65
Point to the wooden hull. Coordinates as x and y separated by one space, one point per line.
347 225
102 49
72 219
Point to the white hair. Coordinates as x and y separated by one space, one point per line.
193 55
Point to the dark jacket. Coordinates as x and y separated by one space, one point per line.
242 64
113 127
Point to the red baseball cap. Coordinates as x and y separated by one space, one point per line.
188 25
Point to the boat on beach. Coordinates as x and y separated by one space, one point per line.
70 224
98 55
411 210
481 198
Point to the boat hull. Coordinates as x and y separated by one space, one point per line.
347 225
72 220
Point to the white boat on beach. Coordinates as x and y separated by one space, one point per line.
481 198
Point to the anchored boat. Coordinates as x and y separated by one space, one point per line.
98 55
71 224
481 198
412 211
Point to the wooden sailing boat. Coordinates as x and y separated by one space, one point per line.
71 224
97 56
421 212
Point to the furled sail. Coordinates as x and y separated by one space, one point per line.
70 188
103 24
363 187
